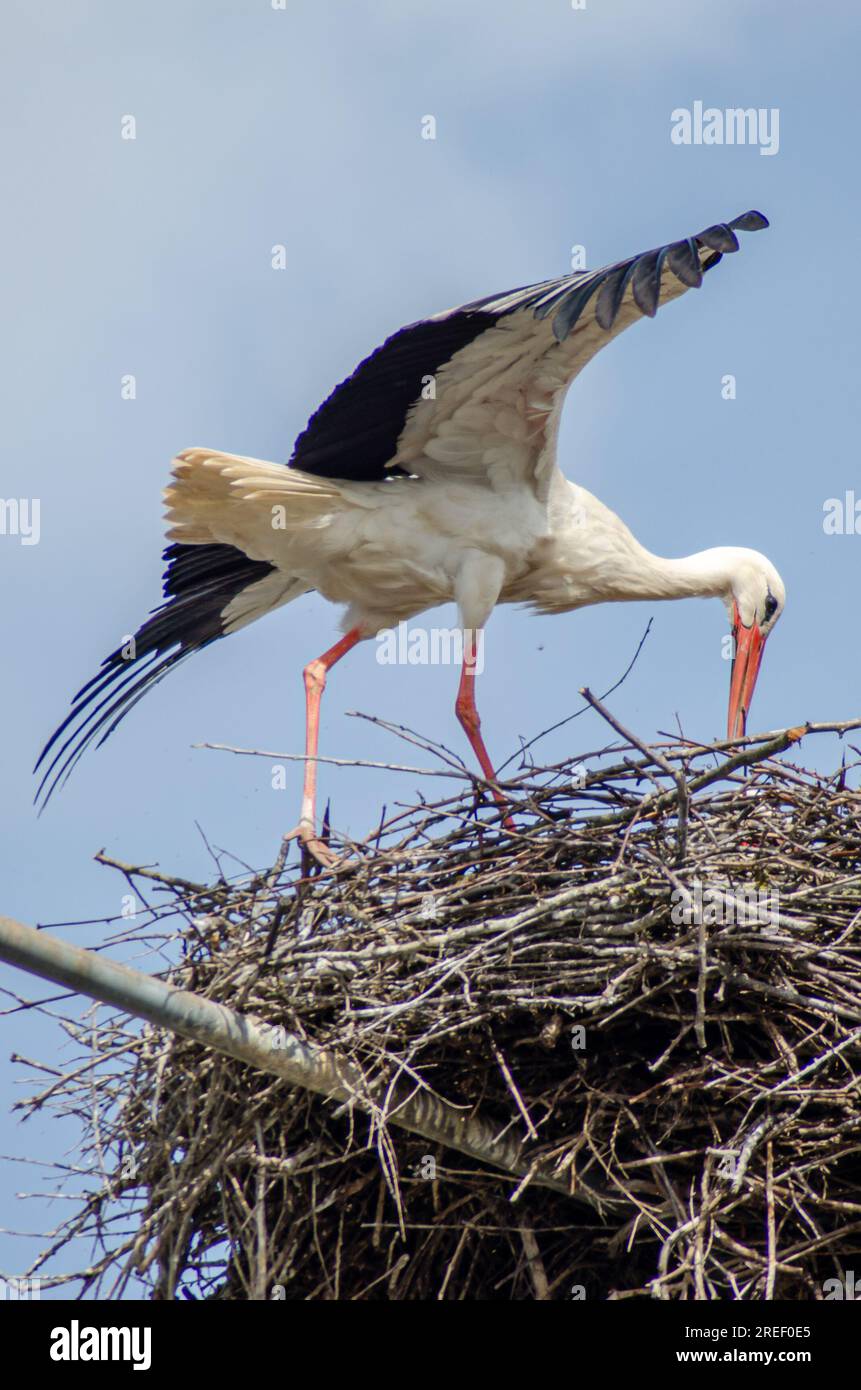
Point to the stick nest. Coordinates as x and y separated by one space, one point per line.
651 990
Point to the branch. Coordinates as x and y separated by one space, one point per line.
464 776
675 774
567 720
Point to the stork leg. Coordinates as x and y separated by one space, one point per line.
467 712
314 676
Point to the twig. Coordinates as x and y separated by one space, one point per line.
674 773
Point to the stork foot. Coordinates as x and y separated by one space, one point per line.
314 850
503 805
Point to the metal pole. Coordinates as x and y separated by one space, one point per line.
269 1049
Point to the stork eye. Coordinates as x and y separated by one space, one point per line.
770 607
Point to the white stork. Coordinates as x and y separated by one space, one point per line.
393 503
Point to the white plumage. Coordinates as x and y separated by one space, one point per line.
399 498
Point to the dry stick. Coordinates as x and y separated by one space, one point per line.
534 1262
790 996
417 740
850 1040
651 804
702 976
771 1227
676 774
567 720
800 730
335 762
170 880
512 1086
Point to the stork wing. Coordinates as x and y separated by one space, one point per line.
476 392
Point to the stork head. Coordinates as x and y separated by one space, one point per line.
754 602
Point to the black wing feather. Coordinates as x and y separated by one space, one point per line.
355 433
199 584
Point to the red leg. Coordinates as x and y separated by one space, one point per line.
467 713
314 676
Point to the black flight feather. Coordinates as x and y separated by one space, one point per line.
199 584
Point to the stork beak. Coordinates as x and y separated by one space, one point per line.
749 646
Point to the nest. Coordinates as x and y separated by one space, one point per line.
643 1006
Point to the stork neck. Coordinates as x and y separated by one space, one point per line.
601 559
705 574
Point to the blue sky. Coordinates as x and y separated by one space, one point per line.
301 126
